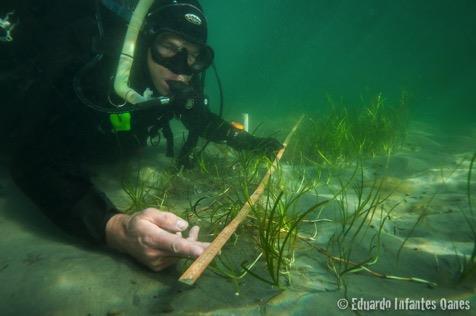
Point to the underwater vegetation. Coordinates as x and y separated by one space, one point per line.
279 224
217 212
232 181
275 229
469 266
281 227
137 189
355 221
344 133
272 229
145 187
364 218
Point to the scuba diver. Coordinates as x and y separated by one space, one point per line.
100 80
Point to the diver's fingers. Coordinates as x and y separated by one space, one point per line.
165 220
193 234
160 239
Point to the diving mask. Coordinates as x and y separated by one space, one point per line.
187 59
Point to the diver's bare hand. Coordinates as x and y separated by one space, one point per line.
153 237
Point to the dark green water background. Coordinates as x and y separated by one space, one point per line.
286 56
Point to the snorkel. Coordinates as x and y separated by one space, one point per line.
126 59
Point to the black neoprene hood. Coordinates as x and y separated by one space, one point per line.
181 17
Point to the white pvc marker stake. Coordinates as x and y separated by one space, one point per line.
246 122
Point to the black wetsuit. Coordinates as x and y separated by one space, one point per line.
53 132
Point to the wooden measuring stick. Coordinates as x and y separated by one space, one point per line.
201 263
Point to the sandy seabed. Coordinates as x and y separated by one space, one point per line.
44 272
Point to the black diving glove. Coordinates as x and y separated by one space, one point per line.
245 141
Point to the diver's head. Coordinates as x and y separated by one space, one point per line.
176 35
179 54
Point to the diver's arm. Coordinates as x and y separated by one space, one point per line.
202 122
63 192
